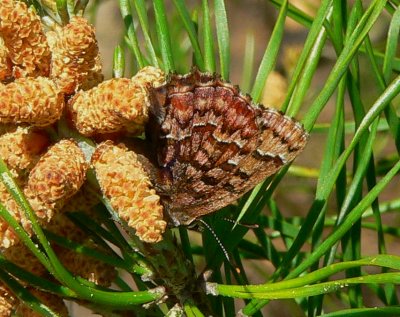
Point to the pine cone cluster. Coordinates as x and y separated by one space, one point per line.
48 75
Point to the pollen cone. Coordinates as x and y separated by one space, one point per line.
116 105
57 176
74 54
126 185
24 39
34 101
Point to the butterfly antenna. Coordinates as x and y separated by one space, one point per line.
216 238
246 225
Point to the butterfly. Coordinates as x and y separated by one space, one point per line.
212 144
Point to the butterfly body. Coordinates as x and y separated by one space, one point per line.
213 144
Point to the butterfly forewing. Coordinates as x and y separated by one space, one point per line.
213 144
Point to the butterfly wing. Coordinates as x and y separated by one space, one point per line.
213 145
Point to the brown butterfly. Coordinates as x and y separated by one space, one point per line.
213 144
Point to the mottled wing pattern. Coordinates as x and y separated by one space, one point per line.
213 144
